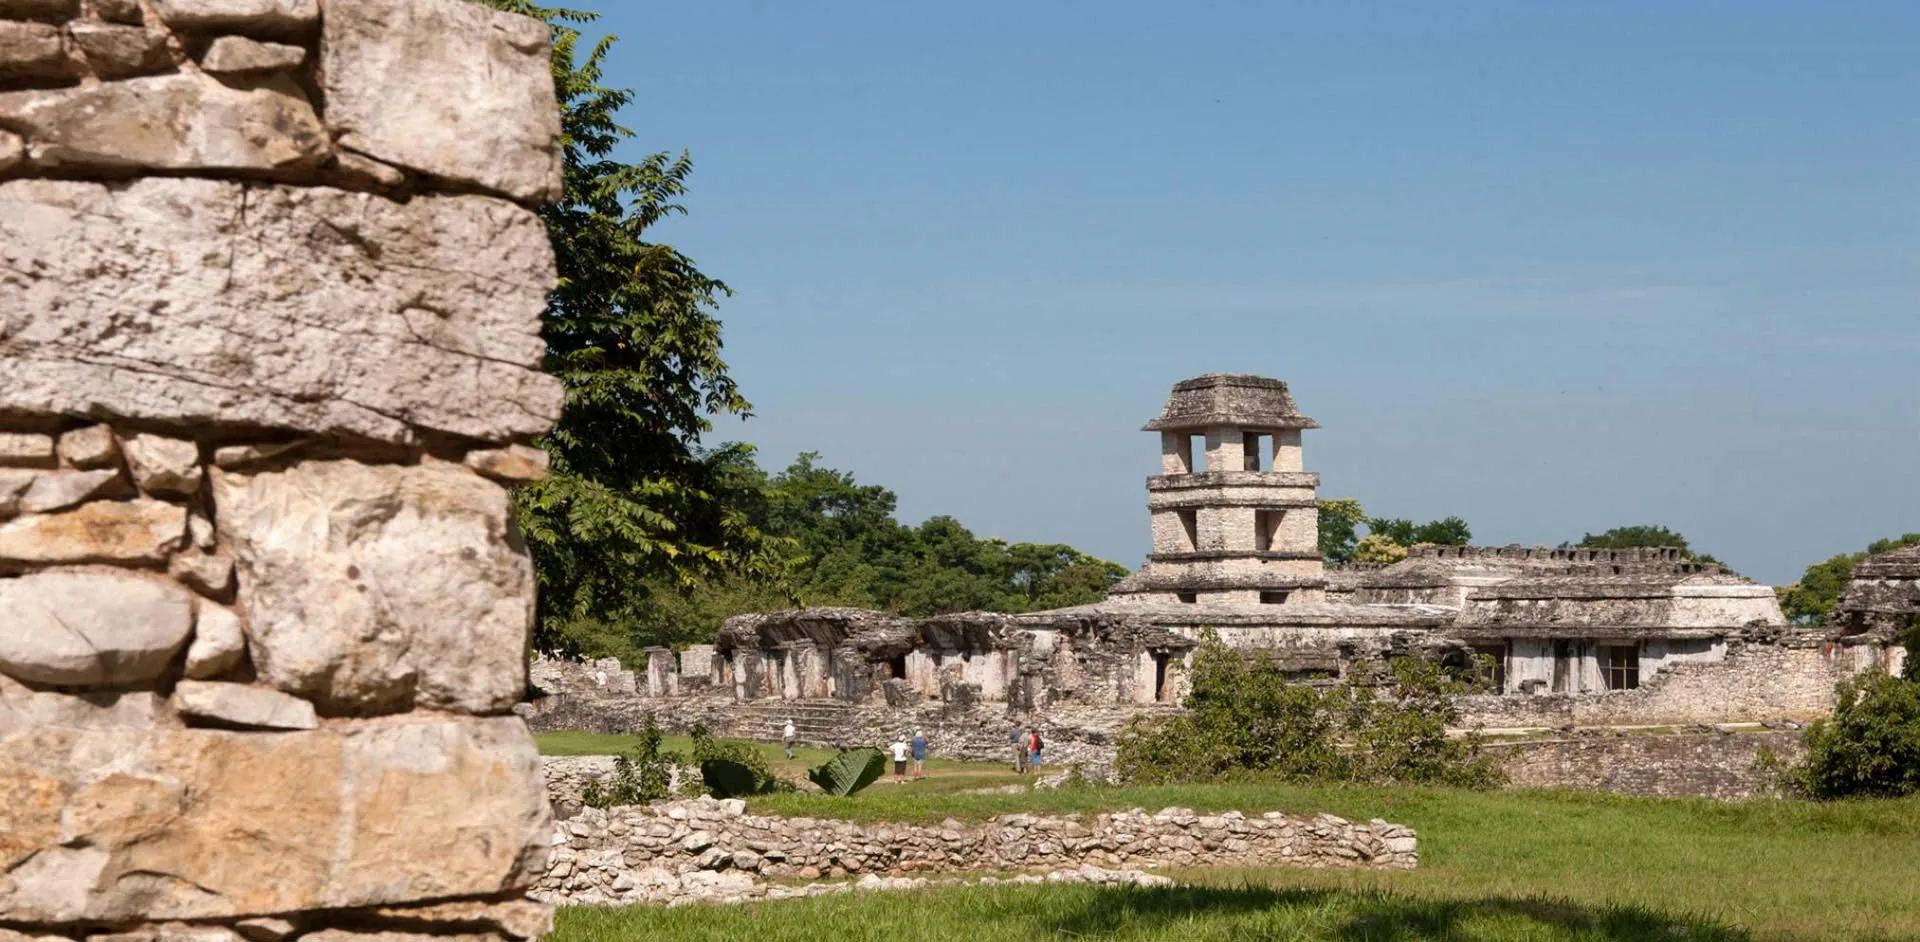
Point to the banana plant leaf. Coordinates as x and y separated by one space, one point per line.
849 771
726 778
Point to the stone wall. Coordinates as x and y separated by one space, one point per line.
270 290
633 854
1703 765
1756 682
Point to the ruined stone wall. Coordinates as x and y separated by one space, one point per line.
1755 682
630 854
1705 765
270 289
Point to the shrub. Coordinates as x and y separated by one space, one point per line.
644 774
1870 746
731 769
1244 718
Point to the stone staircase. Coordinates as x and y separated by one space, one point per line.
827 723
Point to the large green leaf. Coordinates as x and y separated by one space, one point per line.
849 771
726 778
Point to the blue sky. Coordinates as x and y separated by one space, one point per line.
1552 267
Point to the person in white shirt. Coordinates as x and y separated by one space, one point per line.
899 748
789 734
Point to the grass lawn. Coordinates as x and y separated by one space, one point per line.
1494 865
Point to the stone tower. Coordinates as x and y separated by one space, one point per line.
1234 518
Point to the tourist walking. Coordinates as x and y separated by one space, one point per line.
788 735
899 749
919 745
1017 738
1033 751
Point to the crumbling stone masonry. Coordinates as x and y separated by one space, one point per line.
270 288
657 852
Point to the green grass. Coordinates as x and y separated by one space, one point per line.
1530 865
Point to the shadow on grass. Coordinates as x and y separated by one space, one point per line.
1349 916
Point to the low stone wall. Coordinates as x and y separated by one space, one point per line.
621 854
1708 765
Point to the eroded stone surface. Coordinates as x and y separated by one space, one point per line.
180 121
24 450
210 574
238 54
121 825
116 51
24 708
132 533
93 629
14 483
447 88
90 447
13 151
219 642
242 705
58 490
513 463
32 50
515 918
372 588
316 310
39 9
275 17
164 467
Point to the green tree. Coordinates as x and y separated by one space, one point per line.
1812 599
634 500
1870 746
1340 520
1379 548
1451 531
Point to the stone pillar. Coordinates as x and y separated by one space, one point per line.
270 296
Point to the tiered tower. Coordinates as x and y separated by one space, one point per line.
1234 517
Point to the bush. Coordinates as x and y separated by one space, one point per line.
642 775
731 769
1244 718
1870 746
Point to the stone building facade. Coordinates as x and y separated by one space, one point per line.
270 292
1566 637
1881 605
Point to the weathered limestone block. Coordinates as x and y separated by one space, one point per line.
128 533
238 54
126 12
314 309
164 467
23 450
210 574
242 705
164 824
50 10
58 490
372 588
14 484
219 642
447 88
90 447
32 50
13 151
116 51
88 628
515 918
181 121
513 463
22 707
275 17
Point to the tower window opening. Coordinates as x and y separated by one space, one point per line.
1197 454
1272 597
1253 456
1190 526
1187 598
1160 676
1266 529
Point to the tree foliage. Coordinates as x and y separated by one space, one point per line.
1387 538
1244 718
634 500
1812 599
1870 746
836 542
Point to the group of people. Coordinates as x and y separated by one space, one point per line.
1026 749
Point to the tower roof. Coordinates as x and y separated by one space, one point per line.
1230 399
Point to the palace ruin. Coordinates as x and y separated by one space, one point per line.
1574 637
